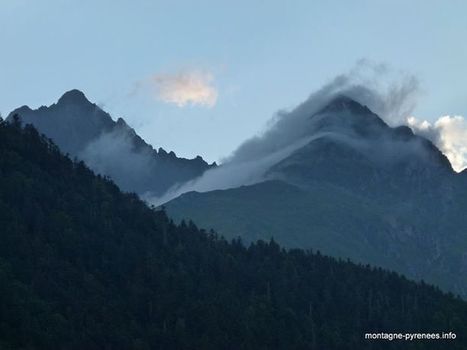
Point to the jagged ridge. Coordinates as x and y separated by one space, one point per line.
110 147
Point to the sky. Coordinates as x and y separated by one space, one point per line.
200 77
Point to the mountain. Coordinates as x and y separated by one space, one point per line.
85 266
83 130
359 189
360 152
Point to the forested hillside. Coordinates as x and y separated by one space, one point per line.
85 266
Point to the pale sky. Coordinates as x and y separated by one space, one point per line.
199 77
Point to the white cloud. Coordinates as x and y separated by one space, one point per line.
449 134
186 88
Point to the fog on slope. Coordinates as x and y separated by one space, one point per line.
288 131
113 154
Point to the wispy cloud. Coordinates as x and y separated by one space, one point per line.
185 88
449 133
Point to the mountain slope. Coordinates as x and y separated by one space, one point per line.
364 191
359 151
110 147
85 266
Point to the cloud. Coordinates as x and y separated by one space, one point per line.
184 88
113 154
449 134
229 175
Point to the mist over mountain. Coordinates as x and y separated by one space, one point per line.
289 131
110 147
341 180
355 148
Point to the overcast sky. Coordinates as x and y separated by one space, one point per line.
199 77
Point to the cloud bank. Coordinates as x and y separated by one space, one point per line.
449 134
184 88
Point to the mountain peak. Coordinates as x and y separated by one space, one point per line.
73 96
344 114
343 102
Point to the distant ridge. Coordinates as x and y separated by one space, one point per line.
109 147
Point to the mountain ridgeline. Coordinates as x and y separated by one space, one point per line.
85 266
112 148
358 189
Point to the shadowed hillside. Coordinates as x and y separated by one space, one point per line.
84 266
